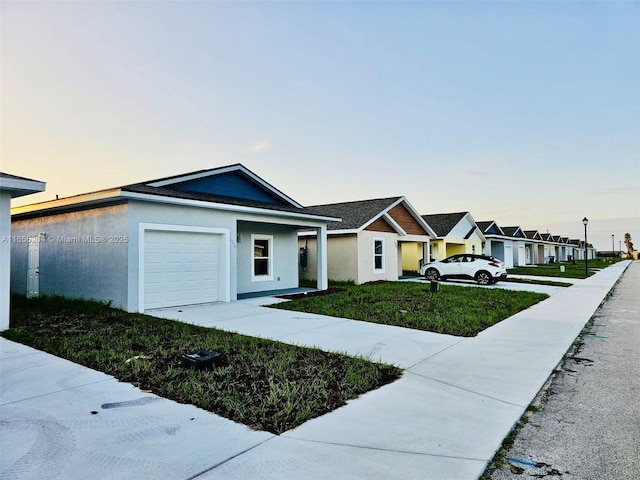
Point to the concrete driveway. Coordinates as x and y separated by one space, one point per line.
444 418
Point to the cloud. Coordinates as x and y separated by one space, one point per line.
257 147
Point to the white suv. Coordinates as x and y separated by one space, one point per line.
481 268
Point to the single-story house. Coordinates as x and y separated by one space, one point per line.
456 233
375 240
537 246
498 244
522 247
11 186
207 236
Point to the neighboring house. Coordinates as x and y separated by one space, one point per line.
11 186
456 233
549 248
565 249
537 246
375 240
522 246
206 236
498 244
577 248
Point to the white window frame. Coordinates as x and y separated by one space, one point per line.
381 240
269 276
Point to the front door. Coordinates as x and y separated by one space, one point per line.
33 269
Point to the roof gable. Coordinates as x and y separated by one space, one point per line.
355 215
515 232
490 228
443 223
233 181
532 235
232 185
393 214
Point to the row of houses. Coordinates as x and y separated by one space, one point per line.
383 239
223 234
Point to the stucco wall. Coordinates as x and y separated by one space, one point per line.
285 258
411 255
366 271
342 257
82 254
240 227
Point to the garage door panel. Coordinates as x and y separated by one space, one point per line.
181 268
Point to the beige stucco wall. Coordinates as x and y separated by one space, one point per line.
392 265
342 254
350 257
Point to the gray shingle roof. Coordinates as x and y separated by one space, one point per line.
484 225
510 231
354 214
443 223
206 197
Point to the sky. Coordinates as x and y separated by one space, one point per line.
525 113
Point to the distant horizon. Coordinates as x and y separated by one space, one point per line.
599 231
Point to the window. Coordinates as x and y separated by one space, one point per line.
378 255
262 261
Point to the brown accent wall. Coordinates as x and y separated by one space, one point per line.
409 224
381 225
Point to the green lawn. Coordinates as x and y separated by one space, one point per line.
266 385
454 310
571 270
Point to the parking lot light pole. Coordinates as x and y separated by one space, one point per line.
585 220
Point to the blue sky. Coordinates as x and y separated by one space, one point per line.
527 113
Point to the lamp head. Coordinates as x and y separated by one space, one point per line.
585 220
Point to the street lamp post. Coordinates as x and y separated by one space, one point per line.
585 220
613 244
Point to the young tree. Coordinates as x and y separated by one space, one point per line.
628 243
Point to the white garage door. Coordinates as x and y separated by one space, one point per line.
181 268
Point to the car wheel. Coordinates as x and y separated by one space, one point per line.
483 278
432 274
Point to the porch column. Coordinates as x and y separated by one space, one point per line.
426 252
321 257
5 258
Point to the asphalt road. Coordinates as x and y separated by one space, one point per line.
588 427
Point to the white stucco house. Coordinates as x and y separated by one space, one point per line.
498 244
11 186
207 236
375 240
522 246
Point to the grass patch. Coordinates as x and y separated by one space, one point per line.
267 385
571 270
536 282
462 311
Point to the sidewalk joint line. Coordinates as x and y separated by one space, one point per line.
437 353
467 390
380 449
207 470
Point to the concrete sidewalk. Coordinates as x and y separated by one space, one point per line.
444 419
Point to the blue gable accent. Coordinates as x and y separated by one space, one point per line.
519 234
494 230
232 184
